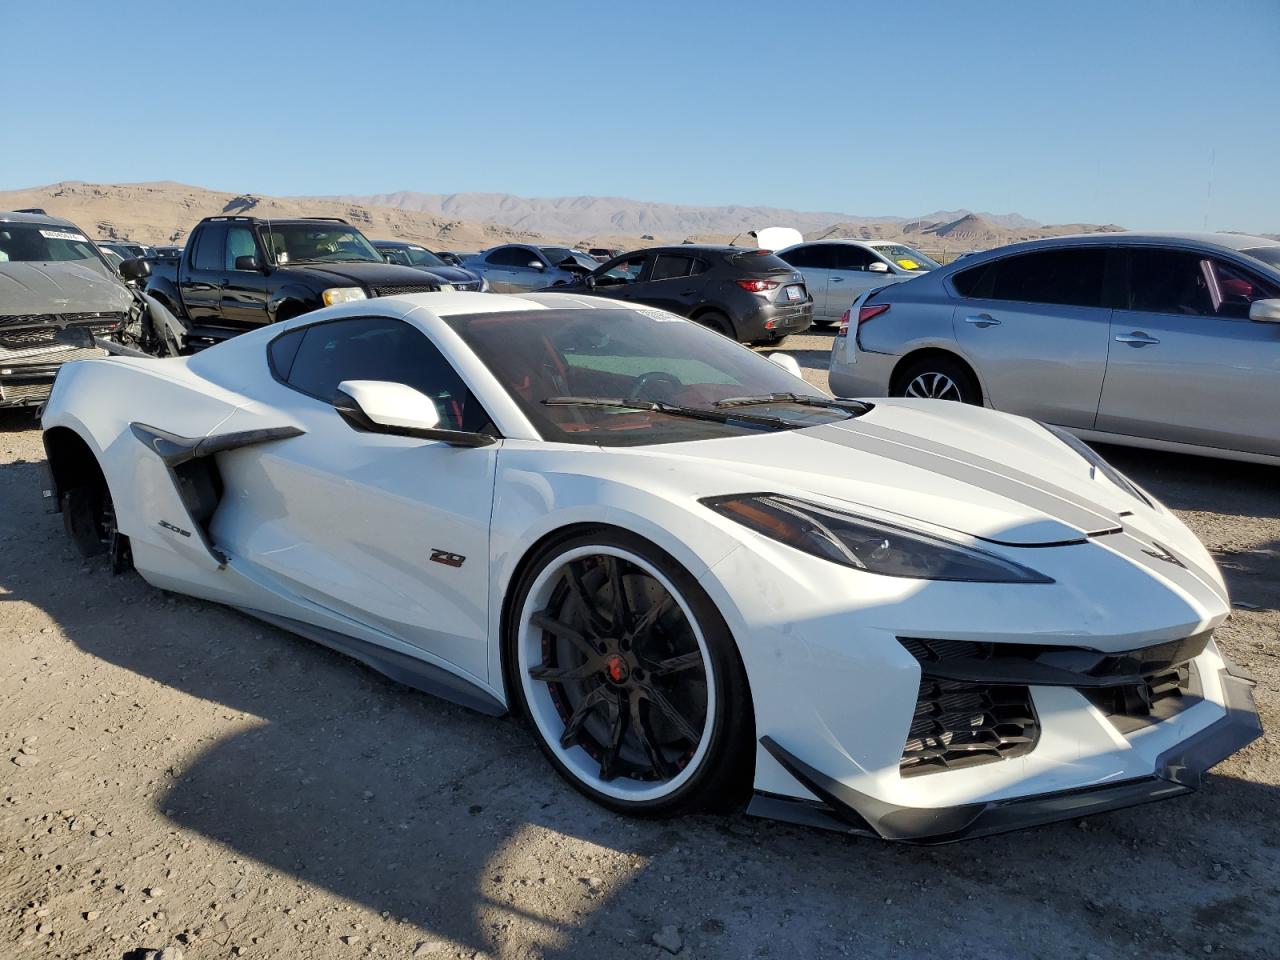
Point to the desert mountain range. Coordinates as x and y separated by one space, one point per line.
163 212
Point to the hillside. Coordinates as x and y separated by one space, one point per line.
618 216
164 212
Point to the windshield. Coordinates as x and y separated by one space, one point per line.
1269 255
640 355
422 257
44 243
313 243
558 255
905 257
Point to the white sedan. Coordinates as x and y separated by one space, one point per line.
703 581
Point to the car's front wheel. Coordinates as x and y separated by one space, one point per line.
630 677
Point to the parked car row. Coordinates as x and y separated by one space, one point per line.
1170 341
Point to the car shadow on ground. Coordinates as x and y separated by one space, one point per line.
809 357
453 822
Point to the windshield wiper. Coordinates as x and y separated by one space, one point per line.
672 409
858 406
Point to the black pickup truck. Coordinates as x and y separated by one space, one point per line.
238 273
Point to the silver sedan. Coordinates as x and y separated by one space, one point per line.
1167 341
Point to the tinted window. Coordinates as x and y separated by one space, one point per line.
43 242
1269 255
975 282
1072 277
377 348
210 247
847 257
240 243
813 256
699 266
1176 281
282 350
668 266
760 261
511 257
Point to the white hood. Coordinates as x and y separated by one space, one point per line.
984 474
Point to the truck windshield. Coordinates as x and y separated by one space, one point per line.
313 243
43 243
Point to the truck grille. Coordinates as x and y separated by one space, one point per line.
27 331
401 291
958 724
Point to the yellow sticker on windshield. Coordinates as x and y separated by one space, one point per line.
907 264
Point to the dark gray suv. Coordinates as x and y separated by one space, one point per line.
749 295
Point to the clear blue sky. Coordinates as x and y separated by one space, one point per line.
1071 111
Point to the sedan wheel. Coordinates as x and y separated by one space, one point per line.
938 378
933 386
621 682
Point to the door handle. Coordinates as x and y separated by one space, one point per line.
983 320
837 279
1136 339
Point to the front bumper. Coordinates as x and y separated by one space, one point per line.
28 384
1177 771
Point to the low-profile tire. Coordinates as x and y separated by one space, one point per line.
717 321
641 705
938 377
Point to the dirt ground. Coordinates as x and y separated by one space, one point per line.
175 774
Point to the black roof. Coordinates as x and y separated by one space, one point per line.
238 219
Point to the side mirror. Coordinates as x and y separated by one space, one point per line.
135 269
590 281
787 362
388 258
379 406
247 262
878 266
1265 311
537 265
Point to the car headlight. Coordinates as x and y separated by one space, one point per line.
865 544
1092 457
342 295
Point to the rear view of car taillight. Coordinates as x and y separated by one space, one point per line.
871 311
844 325
757 286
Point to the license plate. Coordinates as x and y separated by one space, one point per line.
795 293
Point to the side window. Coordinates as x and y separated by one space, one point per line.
1167 281
1069 277
1182 282
511 257
669 266
623 271
376 348
811 256
240 243
282 350
1233 289
699 266
975 282
210 252
848 257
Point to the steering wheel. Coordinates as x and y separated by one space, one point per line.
669 385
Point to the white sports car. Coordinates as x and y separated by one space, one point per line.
695 573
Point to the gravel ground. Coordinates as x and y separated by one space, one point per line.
175 774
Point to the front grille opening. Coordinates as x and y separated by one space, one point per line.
963 724
959 724
1159 697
